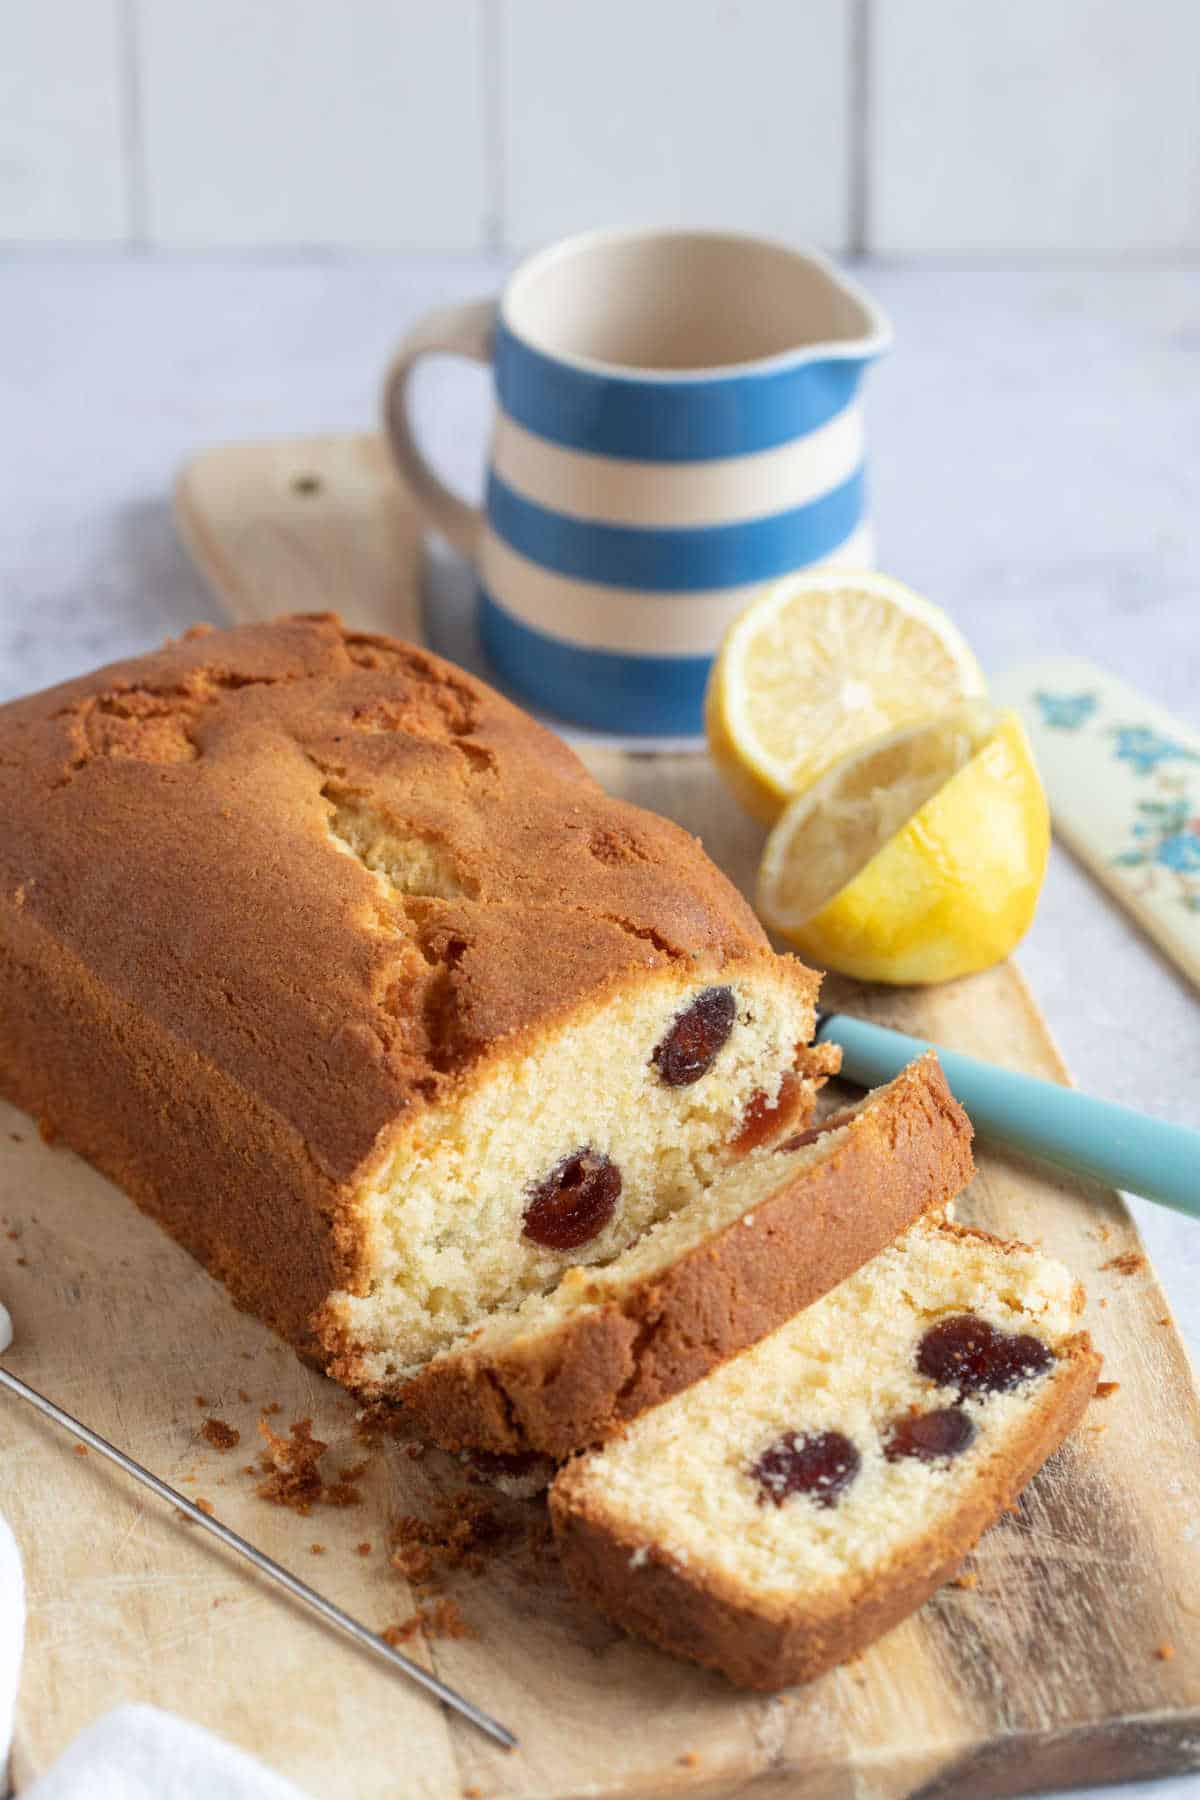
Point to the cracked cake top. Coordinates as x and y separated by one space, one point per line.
432 871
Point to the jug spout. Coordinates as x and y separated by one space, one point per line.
833 317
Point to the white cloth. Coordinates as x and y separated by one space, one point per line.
140 1753
12 1634
132 1753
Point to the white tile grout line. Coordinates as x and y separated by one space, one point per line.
494 79
133 136
858 126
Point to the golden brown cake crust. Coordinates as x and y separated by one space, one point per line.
712 1619
222 1009
573 1385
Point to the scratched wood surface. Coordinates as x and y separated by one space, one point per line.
1047 1672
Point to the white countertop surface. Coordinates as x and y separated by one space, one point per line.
1035 446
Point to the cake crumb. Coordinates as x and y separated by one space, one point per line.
423 1549
22 1262
1165 1651
441 1618
242 1394
289 1465
81 1449
219 1434
472 1793
395 1635
689 1760
204 1506
444 1619
200 1399
1166 1319
1105 1388
293 1478
1128 1263
363 1549
16 1137
967 1580
345 1490
316 1549
275 1407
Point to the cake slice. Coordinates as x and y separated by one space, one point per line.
758 1244
786 1511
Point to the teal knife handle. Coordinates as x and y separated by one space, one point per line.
1114 1144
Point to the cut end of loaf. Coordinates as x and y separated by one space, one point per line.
451 1237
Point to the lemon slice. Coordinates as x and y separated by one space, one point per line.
819 665
916 860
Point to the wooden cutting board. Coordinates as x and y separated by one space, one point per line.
1072 1656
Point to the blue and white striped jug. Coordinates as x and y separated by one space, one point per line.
677 422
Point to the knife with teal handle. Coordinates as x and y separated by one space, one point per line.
1114 1144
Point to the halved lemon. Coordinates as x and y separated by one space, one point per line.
819 665
916 860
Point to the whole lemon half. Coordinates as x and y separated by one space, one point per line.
820 664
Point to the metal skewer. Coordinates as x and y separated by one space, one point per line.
298 1589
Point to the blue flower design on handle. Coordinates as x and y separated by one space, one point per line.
1066 712
1181 853
1145 749
1165 845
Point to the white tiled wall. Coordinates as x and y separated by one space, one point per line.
63 151
692 111
301 122
1035 125
911 127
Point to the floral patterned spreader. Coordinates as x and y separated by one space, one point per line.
1123 779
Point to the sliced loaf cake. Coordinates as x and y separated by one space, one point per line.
786 1511
350 974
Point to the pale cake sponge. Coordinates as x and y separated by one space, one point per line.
783 1513
352 977
443 1221
742 1254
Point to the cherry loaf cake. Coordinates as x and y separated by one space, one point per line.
352 977
790 1508
763 1241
